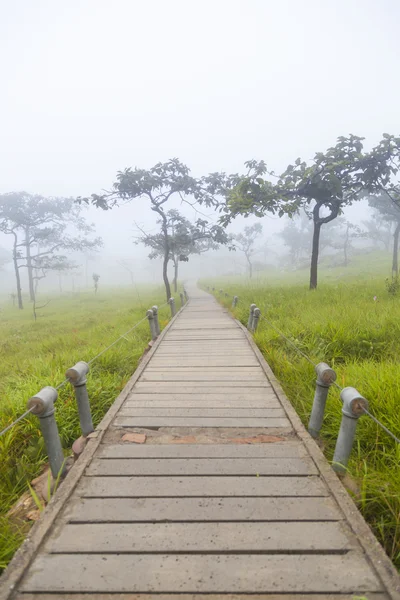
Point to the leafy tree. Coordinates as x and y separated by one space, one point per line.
334 179
158 185
388 207
184 239
245 243
96 278
40 228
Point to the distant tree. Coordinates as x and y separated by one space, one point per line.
297 236
378 230
245 243
96 278
41 231
388 207
158 185
340 236
335 179
184 239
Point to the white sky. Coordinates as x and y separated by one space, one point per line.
92 86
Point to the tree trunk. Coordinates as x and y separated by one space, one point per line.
314 255
29 266
395 263
250 266
176 268
345 247
166 255
16 269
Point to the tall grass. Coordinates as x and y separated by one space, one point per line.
35 354
355 328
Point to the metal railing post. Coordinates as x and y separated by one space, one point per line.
256 318
156 321
213 289
43 407
173 307
234 301
150 316
353 409
77 376
182 299
325 377
250 321
221 291
186 295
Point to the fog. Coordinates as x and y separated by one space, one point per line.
90 87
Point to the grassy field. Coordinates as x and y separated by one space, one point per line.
353 324
35 354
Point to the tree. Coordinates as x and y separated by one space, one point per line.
335 179
158 185
388 207
96 278
184 239
378 230
340 237
245 242
41 229
297 235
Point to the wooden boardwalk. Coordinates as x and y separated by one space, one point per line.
228 498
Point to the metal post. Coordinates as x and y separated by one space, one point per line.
186 295
221 291
182 299
150 316
172 305
353 408
325 377
77 376
235 301
213 289
256 318
250 321
43 406
156 321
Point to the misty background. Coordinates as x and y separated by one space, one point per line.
90 87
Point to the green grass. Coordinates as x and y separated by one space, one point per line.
343 325
35 354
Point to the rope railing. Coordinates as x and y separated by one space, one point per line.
354 405
42 404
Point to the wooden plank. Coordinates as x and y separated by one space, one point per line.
128 411
205 361
204 375
122 596
201 573
197 386
248 537
209 394
201 466
132 510
286 449
194 401
136 487
200 422
252 372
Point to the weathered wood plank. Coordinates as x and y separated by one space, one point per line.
128 411
127 510
193 401
201 466
287 449
271 422
200 537
162 573
205 387
136 487
206 361
182 376
122 596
